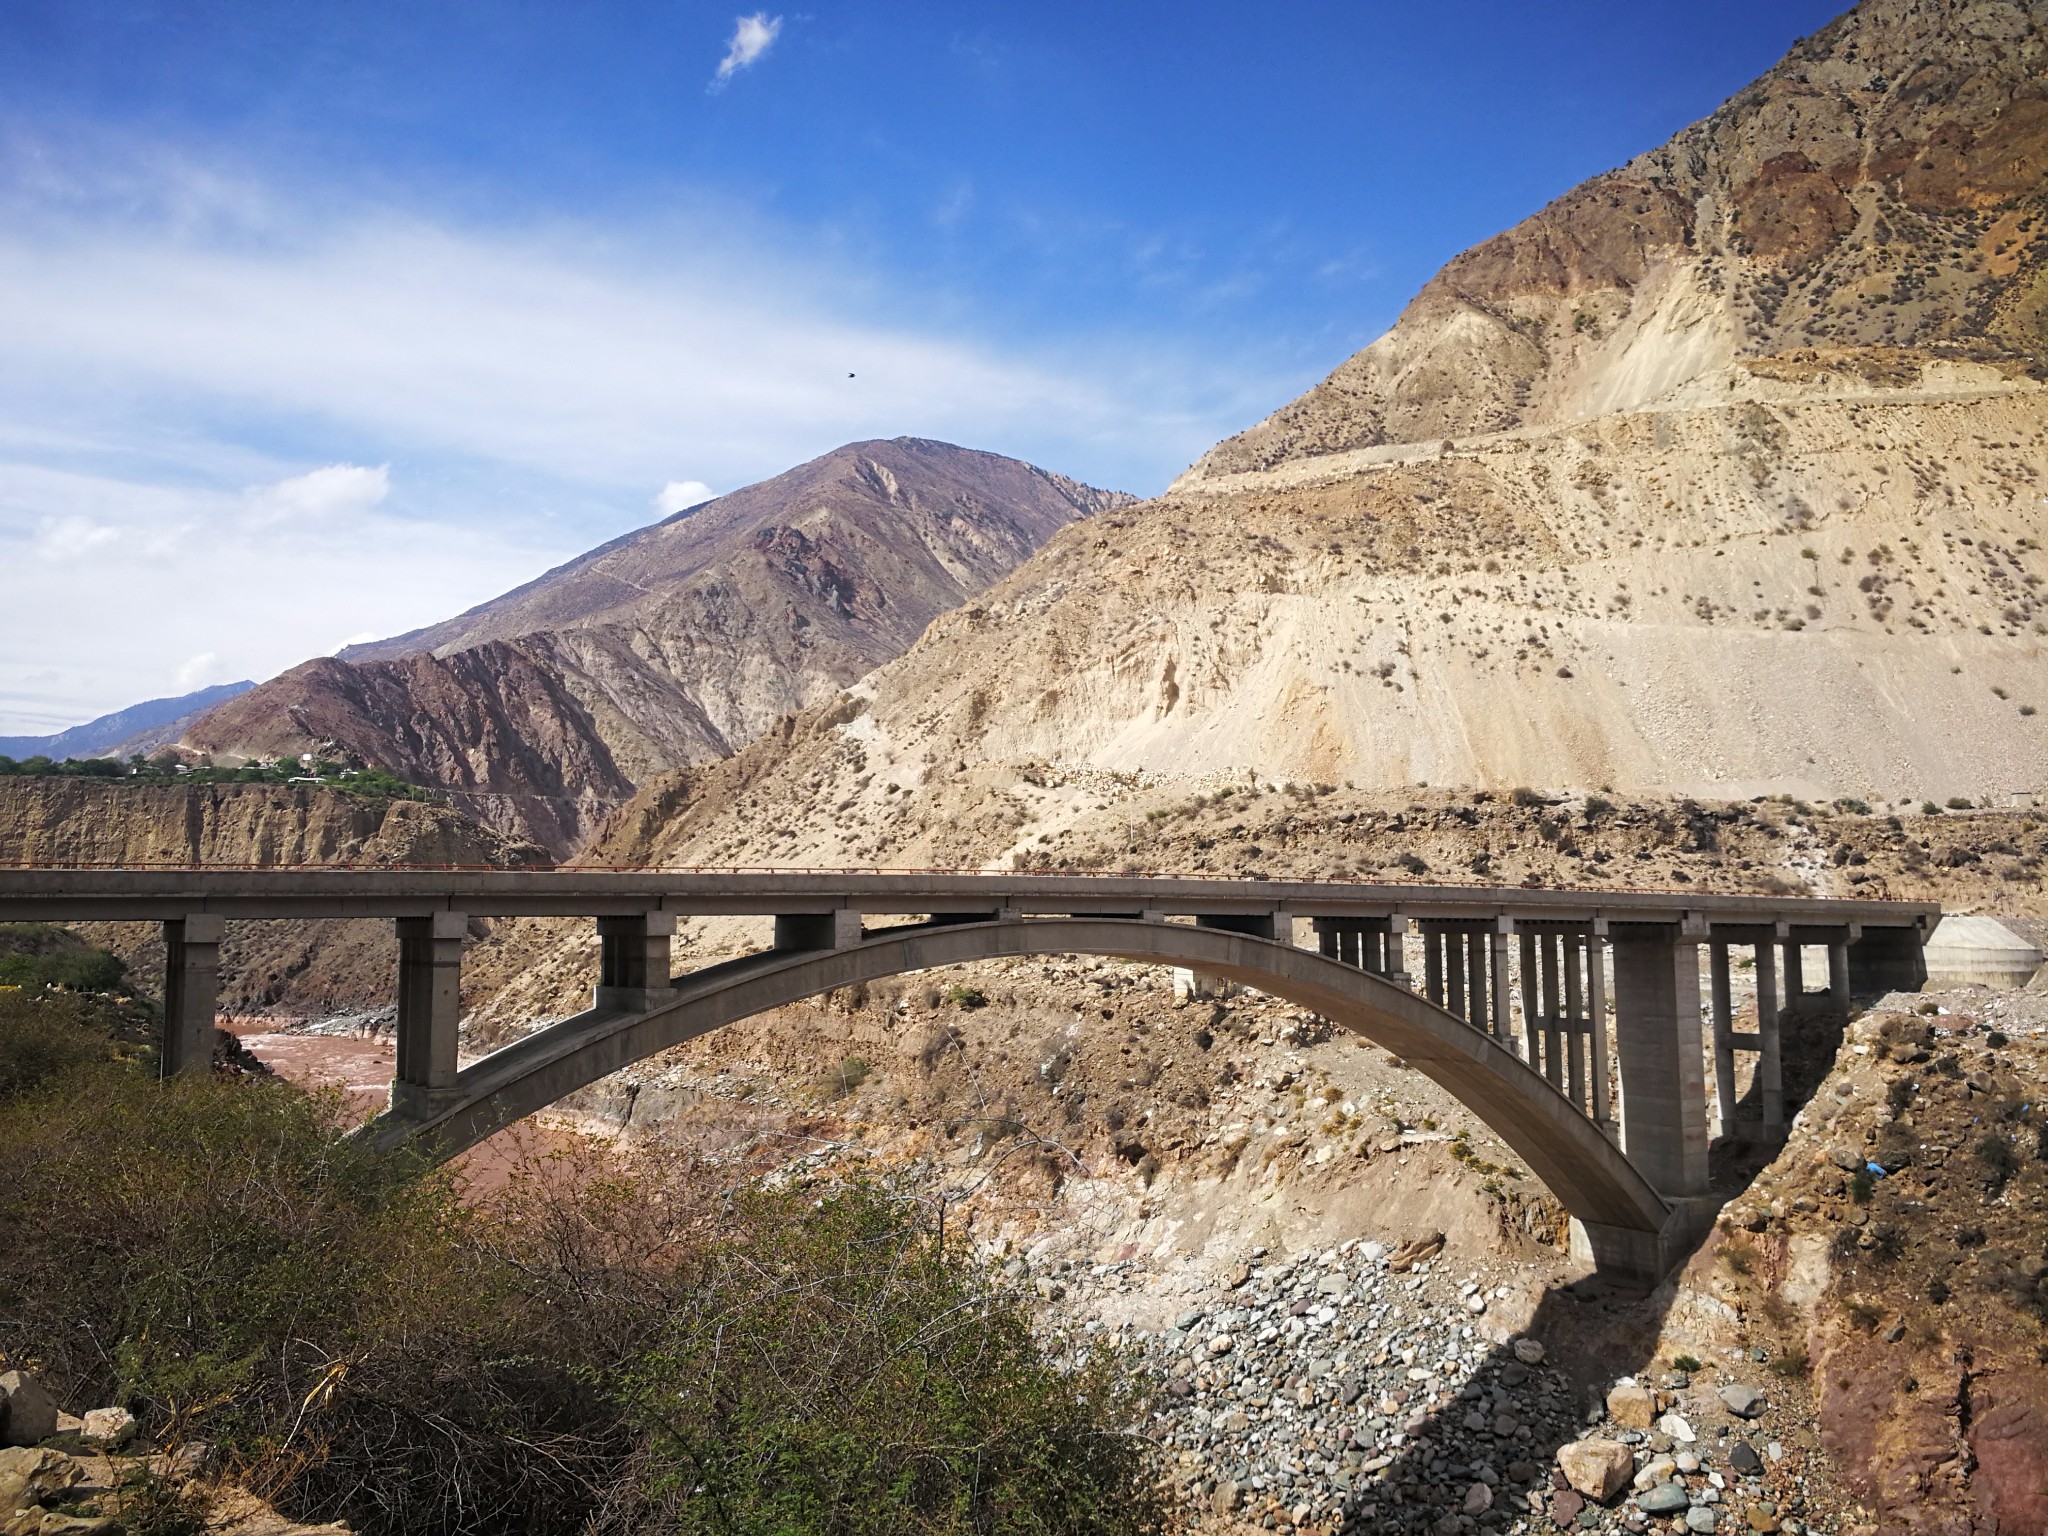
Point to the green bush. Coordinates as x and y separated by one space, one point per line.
833 1367
967 997
364 1343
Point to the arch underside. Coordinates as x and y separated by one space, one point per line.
1567 1151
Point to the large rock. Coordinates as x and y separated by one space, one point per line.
28 1414
1599 1469
1743 1402
1664 1499
108 1428
29 1477
1632 1407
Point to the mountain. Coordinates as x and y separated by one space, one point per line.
138 728
1721 476
1866 211
676 644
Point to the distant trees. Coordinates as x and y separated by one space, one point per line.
167 768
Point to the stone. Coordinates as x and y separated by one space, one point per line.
1743 1402
28 1414
1761 1519
1632 1407
1224 1500
1475 1303
1687 1462
1658 1469
1478 1499
1221 1344
1743 1458
1528 1351
1504 1425
1664 1499
1676 1427
32 1477
1599 1469
1565 1506
108 1428
1701 1517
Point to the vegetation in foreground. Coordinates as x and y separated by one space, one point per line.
635 1352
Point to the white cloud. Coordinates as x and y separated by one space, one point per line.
237 424
71 538
678 494
196 672
752 36
339 490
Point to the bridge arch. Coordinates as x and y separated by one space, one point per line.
1571 1155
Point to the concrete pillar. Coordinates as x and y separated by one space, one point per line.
1532 1051
1885 960
1553 1054
1795 973
429 1010
1397 950
1329 941
1433 967
1454 975
1596 1007
191 993
1724 1037
1502 1026
634 961
1657 1033
1575 1020
839 929
1770 1061
1475 978
1838 976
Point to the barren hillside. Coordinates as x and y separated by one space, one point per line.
672 645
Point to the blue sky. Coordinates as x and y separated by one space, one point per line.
323 320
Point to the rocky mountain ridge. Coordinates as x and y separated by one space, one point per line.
1878 189
672 645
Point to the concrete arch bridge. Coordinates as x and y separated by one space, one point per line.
1570 1022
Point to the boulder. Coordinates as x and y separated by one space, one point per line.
28 1414
1664 1499
32 1477
1743 1458
108 1428
1528 1351
1743 1402
1632 1407
1478 1499
1599 1469
1417 1250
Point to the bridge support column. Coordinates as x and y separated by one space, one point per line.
429 1011
1657 1034
1886 960
1795 972
191 993
839 929
1397 951
1838 977
634 962
1596 1007
1770 1060
1724 1039
1502 991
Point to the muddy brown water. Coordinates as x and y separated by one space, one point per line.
361 1065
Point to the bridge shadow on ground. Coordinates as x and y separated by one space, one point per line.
1487 1461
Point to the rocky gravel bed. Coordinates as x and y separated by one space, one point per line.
1363 1390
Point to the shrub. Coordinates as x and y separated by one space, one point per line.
819 1322
46 1037
966 997
1687 1363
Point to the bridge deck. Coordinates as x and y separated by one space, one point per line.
141 895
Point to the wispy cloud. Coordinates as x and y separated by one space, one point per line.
244 424
752 36
678 494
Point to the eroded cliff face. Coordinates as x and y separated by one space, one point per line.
55 822
677 644
307 967
1881 188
